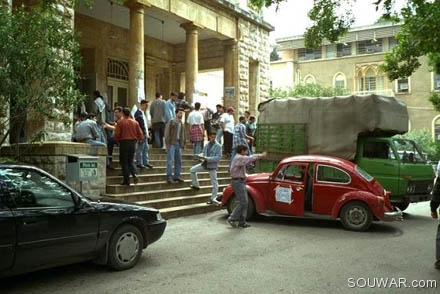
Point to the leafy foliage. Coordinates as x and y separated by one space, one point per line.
424 141
38 56
307 90
274 56
419 33
329 22
434 98
418 36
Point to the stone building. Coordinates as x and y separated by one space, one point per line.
133 50
353 63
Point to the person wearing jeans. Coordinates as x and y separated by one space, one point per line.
175 142
142 157
212 153
157 111
237 219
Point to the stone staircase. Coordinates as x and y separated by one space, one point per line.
173 200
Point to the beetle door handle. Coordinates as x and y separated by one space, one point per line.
299 189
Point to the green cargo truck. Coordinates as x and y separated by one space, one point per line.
358 128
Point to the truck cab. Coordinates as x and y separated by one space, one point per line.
399 166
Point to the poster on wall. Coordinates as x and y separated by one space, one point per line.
229 96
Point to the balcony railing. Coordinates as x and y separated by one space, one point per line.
383 92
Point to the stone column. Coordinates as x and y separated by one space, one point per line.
229 70
136 88
191 59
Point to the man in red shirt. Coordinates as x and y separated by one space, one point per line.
127 133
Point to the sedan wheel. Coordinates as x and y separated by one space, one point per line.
356 216
125 247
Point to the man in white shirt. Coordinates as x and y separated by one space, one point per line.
227 123
196 122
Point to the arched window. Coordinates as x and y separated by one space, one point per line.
436 128
370 80
339 81
309 79
117 69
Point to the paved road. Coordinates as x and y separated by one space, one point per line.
202 254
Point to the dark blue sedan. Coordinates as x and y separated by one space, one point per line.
45 223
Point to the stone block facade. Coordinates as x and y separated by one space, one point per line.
52 157
253 66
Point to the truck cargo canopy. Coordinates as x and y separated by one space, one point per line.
334 124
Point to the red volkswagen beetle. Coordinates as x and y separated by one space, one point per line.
316 186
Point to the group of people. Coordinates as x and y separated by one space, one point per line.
122 126
130 130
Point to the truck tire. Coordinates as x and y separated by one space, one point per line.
232 203
403 205
356 216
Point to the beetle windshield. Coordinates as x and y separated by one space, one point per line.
363 173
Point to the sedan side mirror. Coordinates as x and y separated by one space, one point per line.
78 201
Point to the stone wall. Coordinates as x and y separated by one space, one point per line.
52 157
253 48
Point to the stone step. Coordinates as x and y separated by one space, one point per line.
176 201
158 177
172 190
154 186
155 150
186 210
157 158
158 169
173 200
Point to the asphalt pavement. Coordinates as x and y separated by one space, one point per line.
203 254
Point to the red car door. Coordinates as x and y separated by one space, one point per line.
286 193
331 183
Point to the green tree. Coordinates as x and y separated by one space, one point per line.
307 90
418 35
274 56
434 97
38 57
424 141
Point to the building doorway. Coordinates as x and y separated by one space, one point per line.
117 91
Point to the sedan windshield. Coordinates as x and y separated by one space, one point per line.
363 173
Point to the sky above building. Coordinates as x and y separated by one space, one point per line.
291 18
